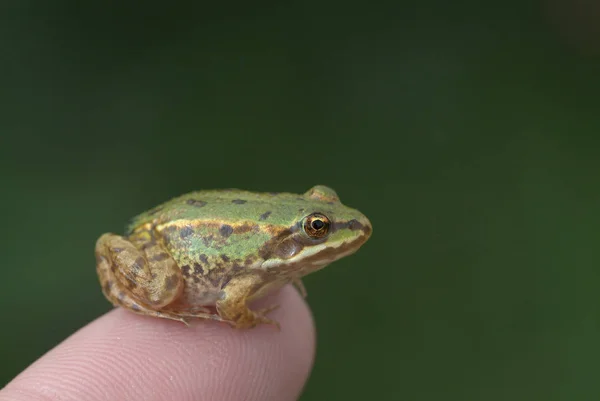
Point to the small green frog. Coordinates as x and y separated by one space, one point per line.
207 254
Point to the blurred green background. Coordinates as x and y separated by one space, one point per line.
467 132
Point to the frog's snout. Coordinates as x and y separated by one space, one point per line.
367 228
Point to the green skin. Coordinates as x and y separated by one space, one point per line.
207 254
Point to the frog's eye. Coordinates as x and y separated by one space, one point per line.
316 225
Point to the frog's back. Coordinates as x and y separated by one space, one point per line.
229 204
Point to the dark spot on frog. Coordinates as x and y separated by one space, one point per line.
196 202
139 264
186 231
117 250
155 210
236 267
265 215
170 228
196 279
186 270
198 270
354 225
203 258
239 201
225 258
331 203
148 245
159 257
131 284
287 248
224 283
113 267
171 282
208 240
244 228
267 249
100 259
226 230
351 225
215 279
135 307
249 260
107 287
121 296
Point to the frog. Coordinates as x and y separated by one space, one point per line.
209 254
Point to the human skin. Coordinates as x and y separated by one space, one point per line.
123 356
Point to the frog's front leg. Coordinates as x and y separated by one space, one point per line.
233 306
138 273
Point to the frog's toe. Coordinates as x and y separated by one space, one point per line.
268 309
260 317
202 316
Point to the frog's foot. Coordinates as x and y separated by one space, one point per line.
204 314
241 317
164 315
261 316
254 318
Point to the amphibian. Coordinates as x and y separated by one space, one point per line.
206 254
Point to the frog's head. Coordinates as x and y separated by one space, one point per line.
317 233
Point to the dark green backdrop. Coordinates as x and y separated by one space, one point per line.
467 133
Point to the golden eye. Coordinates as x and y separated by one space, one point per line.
316 225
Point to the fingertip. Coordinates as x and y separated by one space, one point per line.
125 356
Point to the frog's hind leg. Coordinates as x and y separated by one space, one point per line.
119 296
138 274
